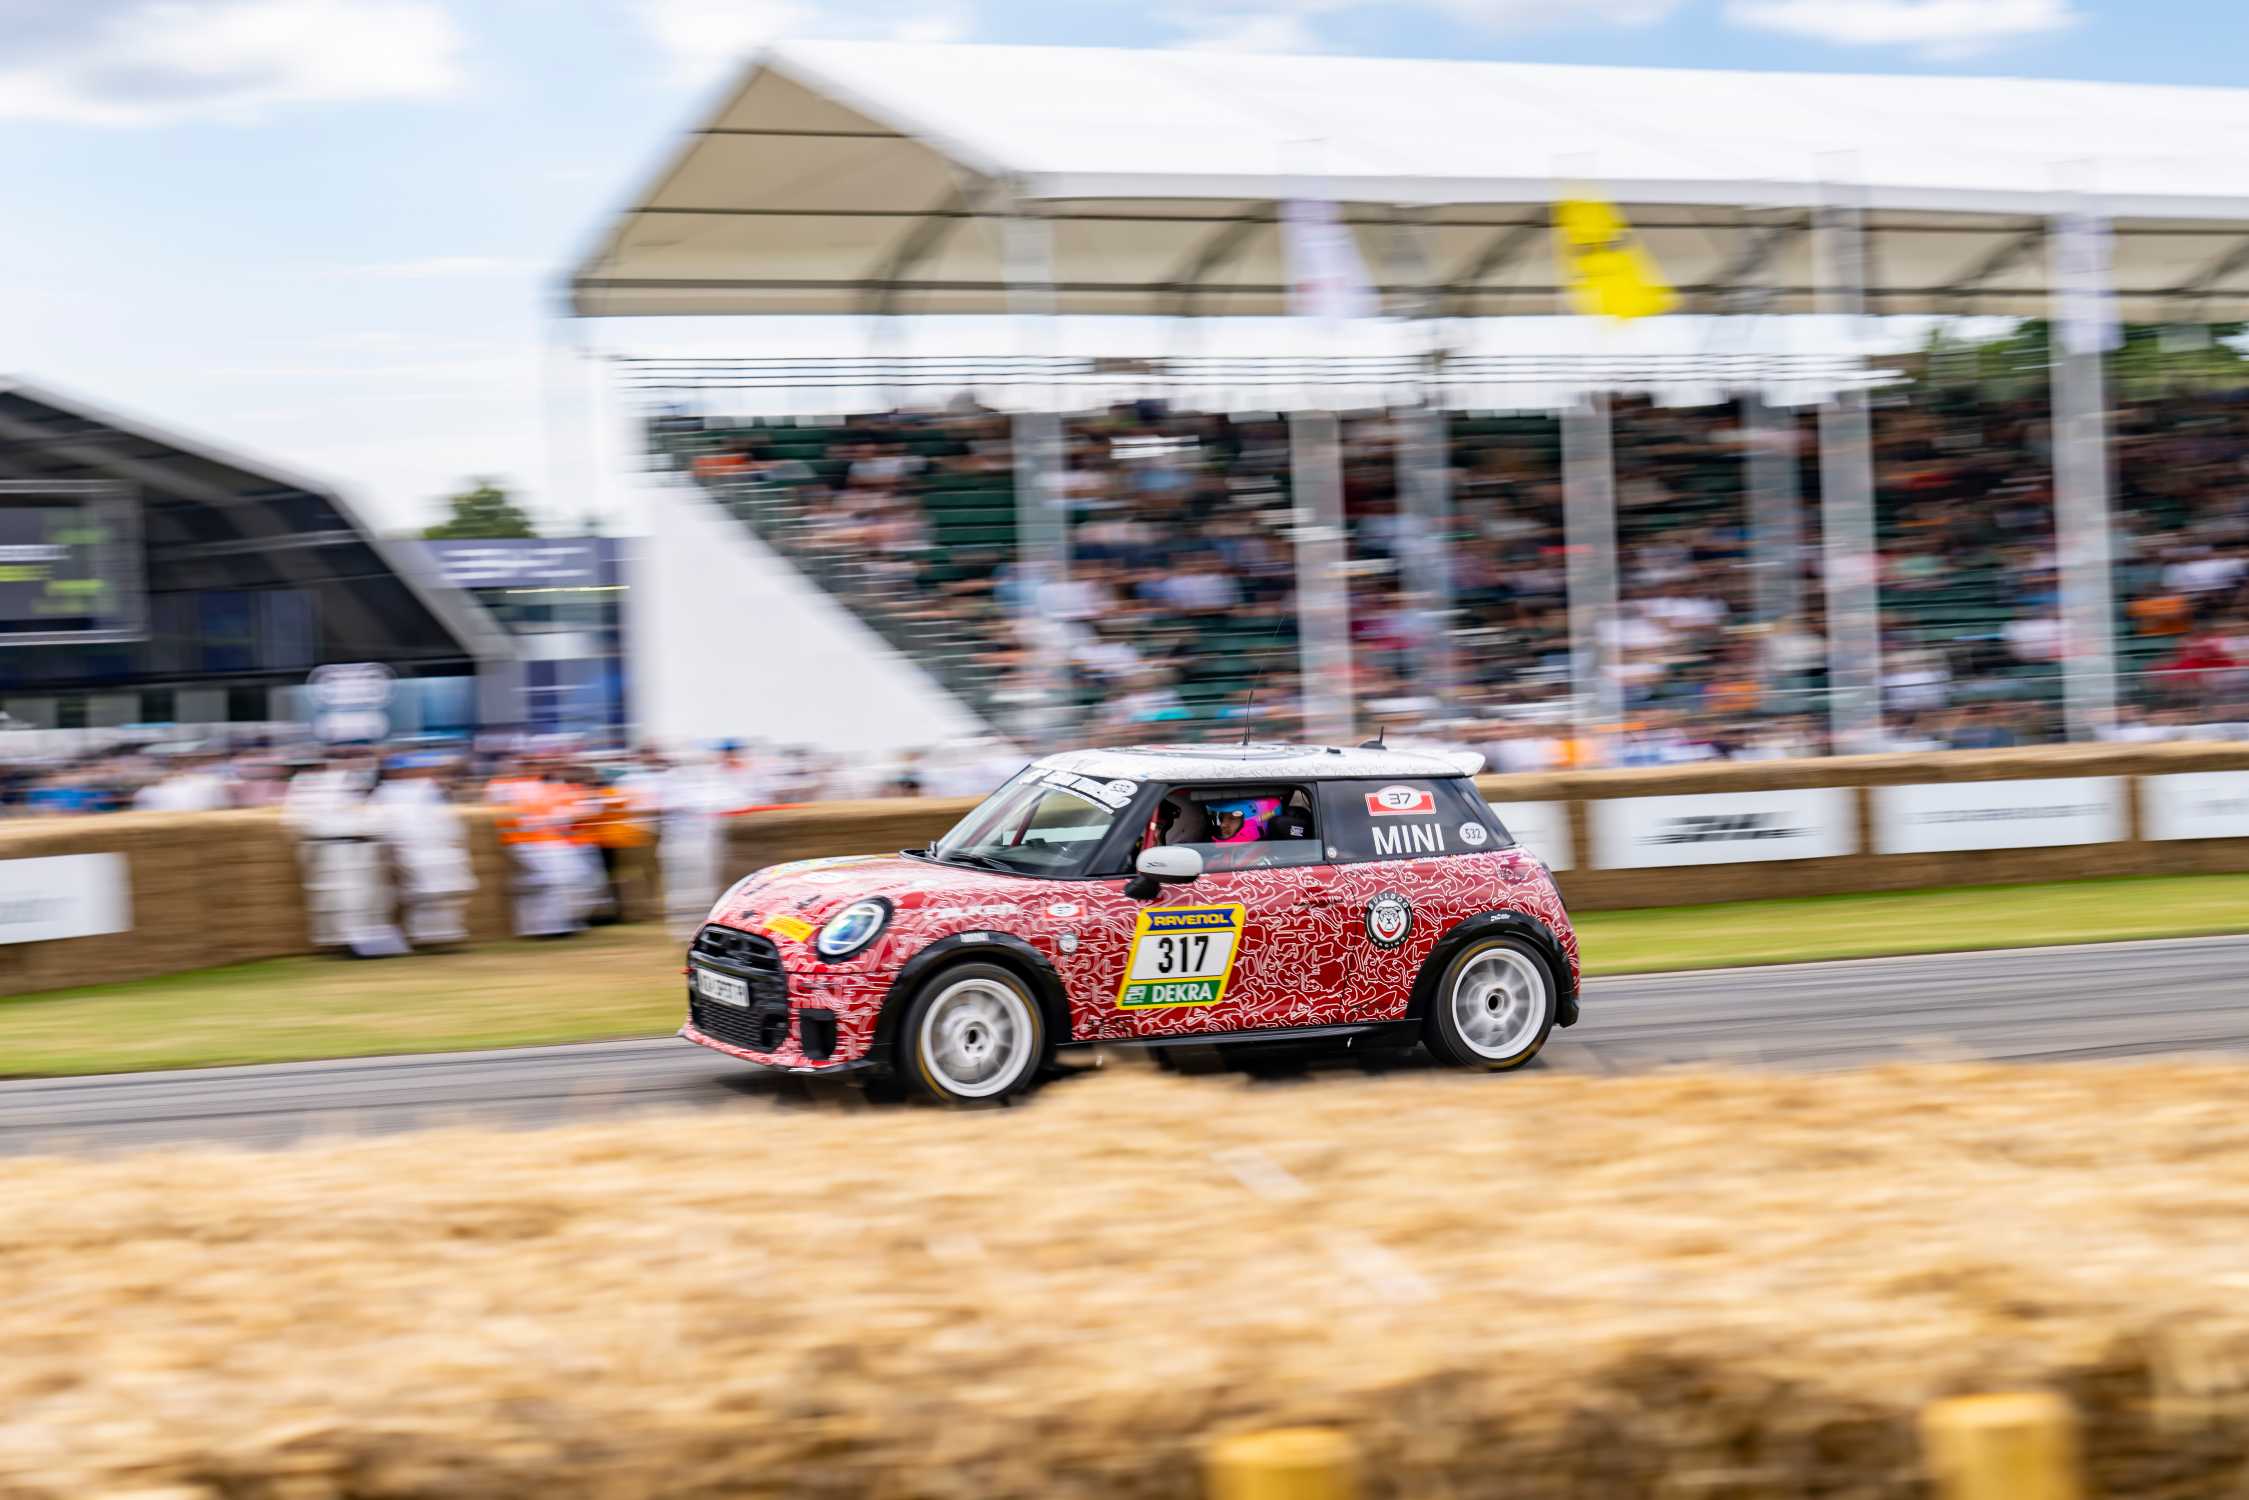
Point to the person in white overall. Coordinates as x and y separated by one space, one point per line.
347 890
428 843
695 797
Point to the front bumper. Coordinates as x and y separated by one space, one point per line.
772 1061
794 1019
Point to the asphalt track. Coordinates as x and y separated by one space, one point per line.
2031 1005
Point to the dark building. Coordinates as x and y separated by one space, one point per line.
216 583
563 600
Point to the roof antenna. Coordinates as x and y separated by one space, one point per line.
1380 730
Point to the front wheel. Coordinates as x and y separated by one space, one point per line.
973 1036
1493 1008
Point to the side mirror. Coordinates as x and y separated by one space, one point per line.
1162 866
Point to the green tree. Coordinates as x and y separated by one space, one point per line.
483 512
2153 360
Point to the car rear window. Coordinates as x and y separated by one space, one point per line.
1408 818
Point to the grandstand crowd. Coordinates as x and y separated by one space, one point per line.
1178 619
1181 595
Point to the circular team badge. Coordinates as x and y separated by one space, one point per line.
1473 835
1389 919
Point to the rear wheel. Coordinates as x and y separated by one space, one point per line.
974 1036
1493 1008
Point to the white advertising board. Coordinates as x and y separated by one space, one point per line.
2195 805
1724 828
2040 813
1541 827
63 896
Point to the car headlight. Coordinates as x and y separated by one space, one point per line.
853 928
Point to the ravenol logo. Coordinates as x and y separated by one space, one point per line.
1193 919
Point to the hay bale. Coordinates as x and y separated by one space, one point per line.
1546 1287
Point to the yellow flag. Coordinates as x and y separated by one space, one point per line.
1609 273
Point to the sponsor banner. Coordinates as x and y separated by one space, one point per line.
1724 828
1541 827
2195 805
63 896
2041 813
585 562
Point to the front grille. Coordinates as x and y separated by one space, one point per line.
762 1026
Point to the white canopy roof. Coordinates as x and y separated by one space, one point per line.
848 177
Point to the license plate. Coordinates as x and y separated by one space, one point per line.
724 988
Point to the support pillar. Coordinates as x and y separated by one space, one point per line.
1042 533
1775 509
1847 541
1424 476
1323 608
2082 331
1589 541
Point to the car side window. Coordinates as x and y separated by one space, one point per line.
1241 826
1408 818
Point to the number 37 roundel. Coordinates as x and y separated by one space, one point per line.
1181 955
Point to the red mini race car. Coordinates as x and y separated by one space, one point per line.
1155 896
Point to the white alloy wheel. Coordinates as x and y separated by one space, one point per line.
977 1037
1495 1007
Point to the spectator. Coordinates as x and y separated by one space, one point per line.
428 844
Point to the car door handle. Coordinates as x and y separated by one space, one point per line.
1317 898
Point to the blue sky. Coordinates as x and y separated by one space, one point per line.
326 230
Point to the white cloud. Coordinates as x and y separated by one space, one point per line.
1505 15
143 62
1947 28
1247 31
707 37
1292 25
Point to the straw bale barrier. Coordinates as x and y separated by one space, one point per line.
863 827
1541 1287
206 889
216 888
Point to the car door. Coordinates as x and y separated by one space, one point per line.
1407 867
1254 944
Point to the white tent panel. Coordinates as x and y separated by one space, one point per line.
845 177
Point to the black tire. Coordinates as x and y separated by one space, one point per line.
964 1017
1514 989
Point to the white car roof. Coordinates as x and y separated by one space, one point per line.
1247 763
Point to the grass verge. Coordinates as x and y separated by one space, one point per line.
625 981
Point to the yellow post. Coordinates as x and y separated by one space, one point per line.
1291 1463
2015 1446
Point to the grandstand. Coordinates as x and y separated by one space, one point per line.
909 518
1625 569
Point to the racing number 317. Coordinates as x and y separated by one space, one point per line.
1183 955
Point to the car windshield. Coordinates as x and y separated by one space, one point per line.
1036 825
